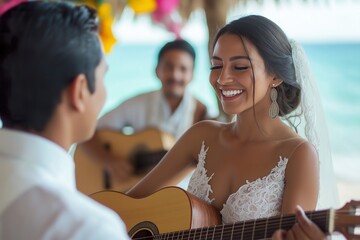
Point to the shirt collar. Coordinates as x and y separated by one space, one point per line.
41 152
183 104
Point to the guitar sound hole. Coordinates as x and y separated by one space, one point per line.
144 230
143 234
144 160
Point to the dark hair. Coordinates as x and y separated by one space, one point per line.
178 44
43 47
274 47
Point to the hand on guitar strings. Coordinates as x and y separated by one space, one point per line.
304 229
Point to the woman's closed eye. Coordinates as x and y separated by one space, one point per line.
241 68
216 67
237 68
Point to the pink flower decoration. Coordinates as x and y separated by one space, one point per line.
164 8
8 5
163 15
174 27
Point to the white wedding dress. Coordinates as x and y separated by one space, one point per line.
256 199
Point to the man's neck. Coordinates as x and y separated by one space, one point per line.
54 137
173 102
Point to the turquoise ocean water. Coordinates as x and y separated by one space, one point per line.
336 67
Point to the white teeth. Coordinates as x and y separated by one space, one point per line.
231 93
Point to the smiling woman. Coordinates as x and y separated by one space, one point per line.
242 166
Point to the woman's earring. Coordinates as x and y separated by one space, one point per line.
274 107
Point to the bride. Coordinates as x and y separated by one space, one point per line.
266 161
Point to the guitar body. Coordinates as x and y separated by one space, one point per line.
173 213
168 210
90 176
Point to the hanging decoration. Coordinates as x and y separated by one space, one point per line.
106 21
142 6
165 14
4 6
162 12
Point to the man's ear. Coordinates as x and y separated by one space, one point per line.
78 93
157 71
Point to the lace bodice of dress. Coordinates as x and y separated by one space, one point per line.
256 199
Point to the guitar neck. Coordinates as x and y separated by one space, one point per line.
252 229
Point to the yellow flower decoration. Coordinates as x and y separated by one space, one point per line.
106 19
142 6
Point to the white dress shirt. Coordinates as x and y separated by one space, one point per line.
151 110
38 197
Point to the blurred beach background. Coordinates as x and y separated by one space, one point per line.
330 33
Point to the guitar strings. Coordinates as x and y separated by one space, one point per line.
252 229
225 233
230 229
213 229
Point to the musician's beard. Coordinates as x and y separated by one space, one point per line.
174 89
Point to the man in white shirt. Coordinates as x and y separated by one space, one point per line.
51 92
171 109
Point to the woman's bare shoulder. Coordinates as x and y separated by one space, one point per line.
303 155
305 149
295 146
205 130
209 124
299 146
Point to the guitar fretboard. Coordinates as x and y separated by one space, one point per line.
253 229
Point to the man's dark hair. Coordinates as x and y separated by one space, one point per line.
178 44
43 47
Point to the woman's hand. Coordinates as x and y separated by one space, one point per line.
304 229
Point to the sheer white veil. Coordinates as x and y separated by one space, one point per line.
312 126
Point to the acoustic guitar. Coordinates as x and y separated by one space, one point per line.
143 149
173 213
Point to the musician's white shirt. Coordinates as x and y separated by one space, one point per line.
38 197
151 110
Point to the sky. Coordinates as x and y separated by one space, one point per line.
323 21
